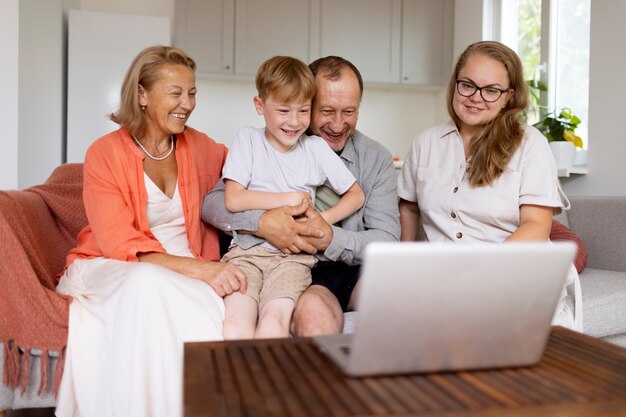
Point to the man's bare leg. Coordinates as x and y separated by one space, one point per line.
317 312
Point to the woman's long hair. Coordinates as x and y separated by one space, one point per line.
144 71
492 147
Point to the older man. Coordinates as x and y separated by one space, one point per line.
340 249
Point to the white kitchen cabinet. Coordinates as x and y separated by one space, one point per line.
274 27
367 33
390 41
205 29
427 30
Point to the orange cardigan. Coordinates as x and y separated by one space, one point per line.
115 197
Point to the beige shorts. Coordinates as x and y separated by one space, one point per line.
272 274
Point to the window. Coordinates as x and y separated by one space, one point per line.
552 39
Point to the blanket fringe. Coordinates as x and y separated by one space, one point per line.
43 385
11 361
16 369
58 372
25 372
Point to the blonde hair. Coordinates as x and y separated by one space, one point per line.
286 78
144 71
492 147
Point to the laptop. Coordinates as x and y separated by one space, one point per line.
425 307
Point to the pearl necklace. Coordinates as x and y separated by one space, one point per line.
159 158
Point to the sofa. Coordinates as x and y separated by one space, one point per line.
600 222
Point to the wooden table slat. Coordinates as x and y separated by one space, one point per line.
577 376
333 378
298 381
513 383
547 382
272 395
469 395
585 372
227 384
406 397
480 382
426 401
593 359
387 397
424 382
584 391
284 388
253 399
318 388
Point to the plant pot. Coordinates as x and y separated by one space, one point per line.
564 154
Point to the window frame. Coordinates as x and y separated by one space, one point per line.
497 13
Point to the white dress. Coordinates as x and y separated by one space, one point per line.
128 322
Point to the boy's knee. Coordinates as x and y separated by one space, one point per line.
236 328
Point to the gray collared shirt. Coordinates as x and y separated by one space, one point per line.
377 221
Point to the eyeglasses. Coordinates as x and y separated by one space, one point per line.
468 89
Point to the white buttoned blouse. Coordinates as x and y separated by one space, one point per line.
434 175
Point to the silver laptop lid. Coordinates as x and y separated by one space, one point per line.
445 306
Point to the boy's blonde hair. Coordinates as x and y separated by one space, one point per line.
286 78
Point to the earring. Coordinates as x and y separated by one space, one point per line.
143 108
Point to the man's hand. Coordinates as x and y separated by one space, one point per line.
314 221
280 228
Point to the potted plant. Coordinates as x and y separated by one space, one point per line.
557 126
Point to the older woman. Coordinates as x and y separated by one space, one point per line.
145 275
485 176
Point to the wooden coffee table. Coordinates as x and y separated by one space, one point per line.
578 376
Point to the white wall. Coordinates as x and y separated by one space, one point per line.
98 59
390 116
468 25
9 74
607 90
159 8
41 92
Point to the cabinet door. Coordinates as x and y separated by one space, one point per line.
365 32
205 30
273 27
427 29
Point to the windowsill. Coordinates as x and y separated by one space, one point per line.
575 170
563 172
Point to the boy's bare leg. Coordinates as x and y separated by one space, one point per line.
274 318
240 316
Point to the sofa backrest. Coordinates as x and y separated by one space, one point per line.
601 223
44 221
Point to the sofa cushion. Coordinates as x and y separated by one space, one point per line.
604 302
349 321
599 221
618 339
561 233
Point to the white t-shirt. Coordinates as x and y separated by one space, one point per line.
254 163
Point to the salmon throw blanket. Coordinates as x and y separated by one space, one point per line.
38 227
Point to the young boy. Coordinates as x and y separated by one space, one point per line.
272 167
